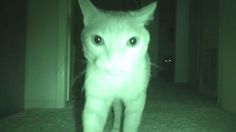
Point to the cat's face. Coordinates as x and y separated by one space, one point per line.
115 41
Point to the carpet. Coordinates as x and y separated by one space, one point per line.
169 108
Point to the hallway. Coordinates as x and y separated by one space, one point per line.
176 108
169 108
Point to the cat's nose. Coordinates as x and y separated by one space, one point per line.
112 65
113 61
119 65
106 63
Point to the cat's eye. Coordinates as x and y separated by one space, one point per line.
98 40
133 41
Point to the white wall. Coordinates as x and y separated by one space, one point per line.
227 54
46 54
12 55
182 42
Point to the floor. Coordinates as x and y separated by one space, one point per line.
169 108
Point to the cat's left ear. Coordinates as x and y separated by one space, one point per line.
145 14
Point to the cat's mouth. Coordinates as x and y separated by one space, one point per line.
113 70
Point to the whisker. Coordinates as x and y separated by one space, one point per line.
155 65
76 78
81 73
84 61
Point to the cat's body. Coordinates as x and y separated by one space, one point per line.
118 70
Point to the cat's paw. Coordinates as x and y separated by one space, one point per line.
115 130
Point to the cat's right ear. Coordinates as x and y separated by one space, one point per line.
88 10
145 14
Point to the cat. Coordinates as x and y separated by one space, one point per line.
117 74
167 71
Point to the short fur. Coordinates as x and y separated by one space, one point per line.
117 73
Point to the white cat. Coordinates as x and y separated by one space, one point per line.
118 69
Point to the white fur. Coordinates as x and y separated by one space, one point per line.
116 72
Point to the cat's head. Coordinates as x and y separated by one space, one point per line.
115 40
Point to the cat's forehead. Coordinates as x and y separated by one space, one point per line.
115 21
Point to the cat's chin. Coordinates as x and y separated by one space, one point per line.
115 72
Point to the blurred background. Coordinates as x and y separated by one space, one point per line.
192 41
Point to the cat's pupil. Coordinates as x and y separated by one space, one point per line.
98 40
133 41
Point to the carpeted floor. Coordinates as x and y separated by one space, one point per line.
169 108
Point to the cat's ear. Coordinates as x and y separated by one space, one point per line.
145 14
88 10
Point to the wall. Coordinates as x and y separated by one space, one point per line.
166 38
194 41
207 46
12 55
47 54
182 42
227 54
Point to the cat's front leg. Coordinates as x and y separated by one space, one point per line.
133 113
95 114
